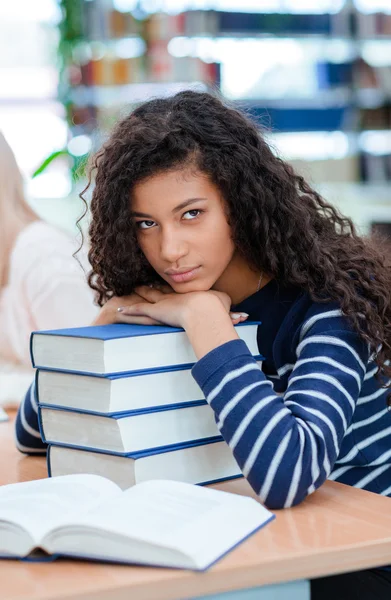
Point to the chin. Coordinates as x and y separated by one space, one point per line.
191 286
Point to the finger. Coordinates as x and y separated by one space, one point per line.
240 317
142 309
140 319
235 321
149 294
166 289
133 320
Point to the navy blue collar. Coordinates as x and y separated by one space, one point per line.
273 295
270 305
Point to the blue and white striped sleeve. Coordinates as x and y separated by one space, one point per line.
27 435
286 446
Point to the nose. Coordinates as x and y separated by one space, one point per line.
172 246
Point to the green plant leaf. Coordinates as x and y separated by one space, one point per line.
49 160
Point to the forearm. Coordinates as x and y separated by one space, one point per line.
285 446
257 426
27 436
208 326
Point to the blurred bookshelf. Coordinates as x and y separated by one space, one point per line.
317 79
112 60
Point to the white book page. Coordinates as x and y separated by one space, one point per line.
163 513
220 530
38 506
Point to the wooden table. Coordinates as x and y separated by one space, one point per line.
337 529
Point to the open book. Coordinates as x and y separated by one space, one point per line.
162 523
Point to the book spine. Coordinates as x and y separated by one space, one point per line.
40 425
31 350
36 385
48 463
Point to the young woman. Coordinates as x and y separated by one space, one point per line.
39 281
197 224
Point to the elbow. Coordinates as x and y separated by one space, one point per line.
277 503
23 447
26 442
20 446
28 446
279 499
282 494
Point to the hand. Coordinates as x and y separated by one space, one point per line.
145 292
160 304
109 312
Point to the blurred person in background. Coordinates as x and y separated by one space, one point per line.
42 286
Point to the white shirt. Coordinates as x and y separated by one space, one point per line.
46 289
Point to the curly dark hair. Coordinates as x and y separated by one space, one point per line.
279 223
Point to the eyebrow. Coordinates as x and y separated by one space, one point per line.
174 210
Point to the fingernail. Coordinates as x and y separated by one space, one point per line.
238 315
120 309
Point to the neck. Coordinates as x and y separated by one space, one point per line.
240 281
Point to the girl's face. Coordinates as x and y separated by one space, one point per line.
183 229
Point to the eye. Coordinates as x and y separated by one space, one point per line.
145 224
192 214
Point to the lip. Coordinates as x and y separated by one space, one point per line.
181 277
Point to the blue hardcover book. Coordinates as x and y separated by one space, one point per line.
128 432
119 393
119 348
202 462
161 523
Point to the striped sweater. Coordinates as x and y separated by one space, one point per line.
314 411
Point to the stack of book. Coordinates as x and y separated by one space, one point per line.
120 401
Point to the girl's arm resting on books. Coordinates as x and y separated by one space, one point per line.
27 436
204 315
285 446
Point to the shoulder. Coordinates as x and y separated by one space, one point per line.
310 318
42 247
325 329
322 317
40 236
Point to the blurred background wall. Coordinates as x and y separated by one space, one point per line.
315 73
